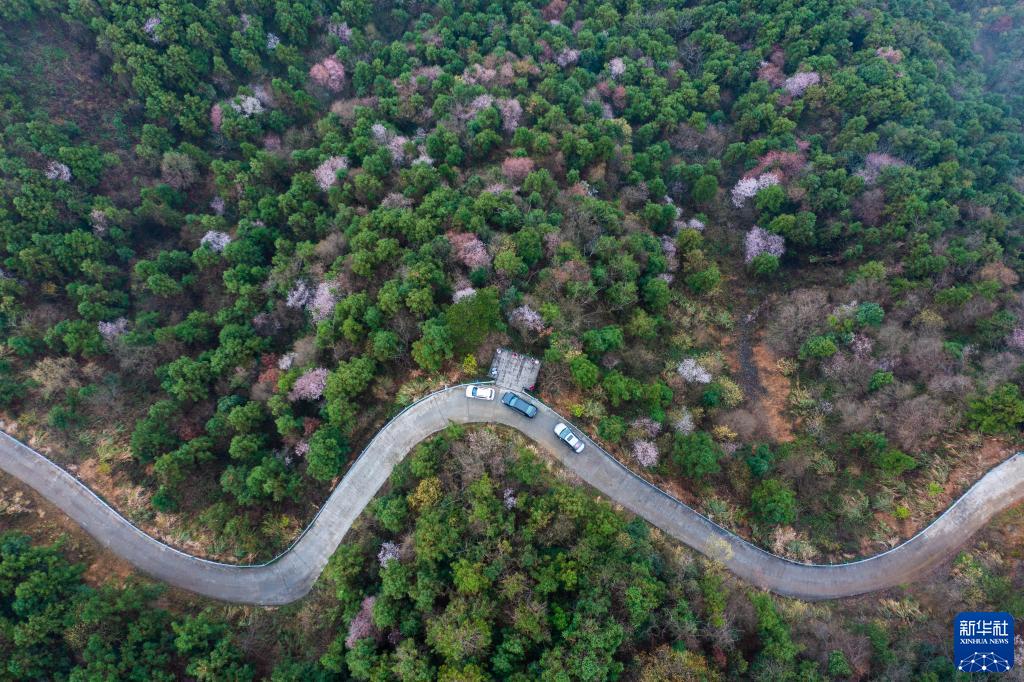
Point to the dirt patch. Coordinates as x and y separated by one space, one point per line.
765 387
772 402
973 463
673 488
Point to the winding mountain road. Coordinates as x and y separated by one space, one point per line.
291 575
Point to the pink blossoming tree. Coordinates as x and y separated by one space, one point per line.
55 170
646 453
111 330
329 74
321 305
759 241
362 625
388 553
526 320
326 174
309 386
516 168
469 250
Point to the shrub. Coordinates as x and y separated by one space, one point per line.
773 502
584 372
894 463
870 315
612 428
765 265
880 380
1001 411
818 347
705 281
696 454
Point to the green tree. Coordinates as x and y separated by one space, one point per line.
773 502
584 372
696 455
434 347
328 449
705 189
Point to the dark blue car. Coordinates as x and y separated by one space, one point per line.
518 404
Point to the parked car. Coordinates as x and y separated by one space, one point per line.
518 404
480 392
565 434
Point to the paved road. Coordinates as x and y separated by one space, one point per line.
291 575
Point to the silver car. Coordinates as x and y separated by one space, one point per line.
566 435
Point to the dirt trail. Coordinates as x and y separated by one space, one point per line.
764 385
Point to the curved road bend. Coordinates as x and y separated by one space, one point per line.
291 575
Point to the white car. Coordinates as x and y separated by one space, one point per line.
565 434
480 392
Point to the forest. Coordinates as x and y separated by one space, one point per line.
769 253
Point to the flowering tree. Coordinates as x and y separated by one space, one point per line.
464 292
646 453
99 221
326 174
567 57
55 170
387 138
302 448
329 74
299 295
341 31
669 248
216 117
693 372
321 305
111 330
875 163
684 423
216 241
509 498
511 113
469 250
516 168
890 54
647 426
796 84
616 67
273 40
309 386
150 27
1016 338
388 553
247 105
362 625
526 320
748 187
759 241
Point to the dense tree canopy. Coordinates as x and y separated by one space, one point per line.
769 253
